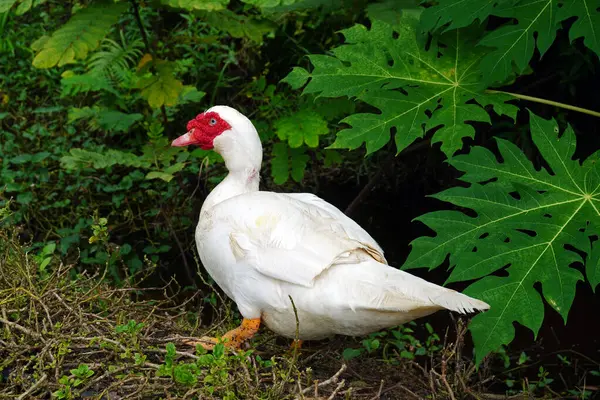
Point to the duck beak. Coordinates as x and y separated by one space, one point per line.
185 140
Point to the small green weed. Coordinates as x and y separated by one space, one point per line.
68 383
399 342
131 328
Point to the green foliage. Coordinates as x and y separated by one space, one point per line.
240 26
399 343
114 60
78 37
209 370
161 88
395 75
303 127
390 11
192 5
525 218
45 257
78 376
538 22
104 119
271 3
131 328
6 5
288 162
22 7
100 231
587 13
75 84
80 158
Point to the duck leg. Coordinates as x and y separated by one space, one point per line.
232 339
296 345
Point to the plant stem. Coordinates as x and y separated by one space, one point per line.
214 93
149 50
138 19
549 102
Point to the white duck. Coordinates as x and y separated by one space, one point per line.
263 248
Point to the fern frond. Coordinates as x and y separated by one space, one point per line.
114 60
72 85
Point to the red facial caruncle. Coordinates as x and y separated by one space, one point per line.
203 130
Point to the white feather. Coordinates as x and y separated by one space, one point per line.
262 247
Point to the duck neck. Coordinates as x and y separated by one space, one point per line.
236 182
242 152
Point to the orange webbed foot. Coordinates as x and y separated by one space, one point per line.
232 339
296 344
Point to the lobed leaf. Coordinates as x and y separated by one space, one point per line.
303 127
587 24
452 14
81 34
515 43
389 69
537 22
526 224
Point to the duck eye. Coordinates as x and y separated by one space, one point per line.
213 122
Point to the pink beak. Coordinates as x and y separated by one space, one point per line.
185 140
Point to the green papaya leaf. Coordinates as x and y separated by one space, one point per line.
537 24
587 24
515 43
592 265
452 14
297 78
389 69
527 223
303 127
390 11
80 35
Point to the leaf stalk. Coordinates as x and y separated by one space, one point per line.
548 102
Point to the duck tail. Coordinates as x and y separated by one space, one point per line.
455 301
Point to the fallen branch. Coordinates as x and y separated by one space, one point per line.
329 381
33 388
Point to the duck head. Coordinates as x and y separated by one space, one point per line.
229 133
